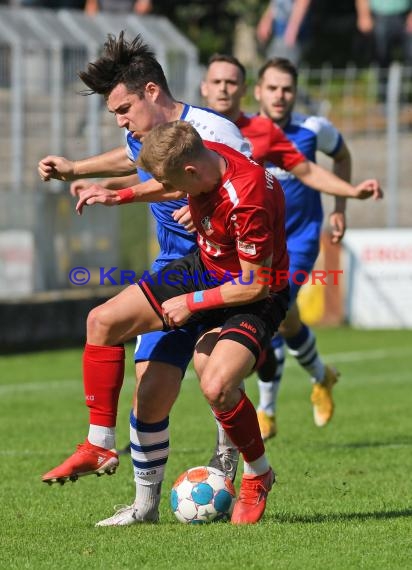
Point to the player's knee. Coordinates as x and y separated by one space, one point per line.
99 325
214 389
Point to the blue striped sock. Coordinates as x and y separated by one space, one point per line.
149 449
303 348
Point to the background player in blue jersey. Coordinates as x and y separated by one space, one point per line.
276 91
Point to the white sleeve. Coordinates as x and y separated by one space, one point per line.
226 132
215 128
129 151
328 138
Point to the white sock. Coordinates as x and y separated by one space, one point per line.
257 467
147 497
149 449
102 436
224 440
268 391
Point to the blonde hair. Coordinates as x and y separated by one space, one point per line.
167 147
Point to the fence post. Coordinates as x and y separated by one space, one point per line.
16 113
392 142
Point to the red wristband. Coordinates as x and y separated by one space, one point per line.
207 299
126 195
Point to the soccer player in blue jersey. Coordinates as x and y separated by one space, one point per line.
276 91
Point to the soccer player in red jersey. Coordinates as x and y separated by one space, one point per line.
238 208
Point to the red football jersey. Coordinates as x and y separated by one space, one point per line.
243 218
268 142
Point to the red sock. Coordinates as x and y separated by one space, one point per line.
103 372
241 425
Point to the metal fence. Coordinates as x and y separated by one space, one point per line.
377 132
41 112
41 52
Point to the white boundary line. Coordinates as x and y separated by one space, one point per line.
354 356
357 356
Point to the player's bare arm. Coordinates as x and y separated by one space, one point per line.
112 163
324 181
337 223
342 167
115 183
239 291
149 191
243 292
364 17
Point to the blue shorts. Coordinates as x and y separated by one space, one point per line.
300 265
303 262
174 347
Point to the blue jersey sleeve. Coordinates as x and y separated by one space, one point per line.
133 148
174 241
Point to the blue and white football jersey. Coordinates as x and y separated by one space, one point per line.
174 240
304 214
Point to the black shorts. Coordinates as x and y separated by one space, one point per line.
252 325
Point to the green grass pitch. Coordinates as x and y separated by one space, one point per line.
343 498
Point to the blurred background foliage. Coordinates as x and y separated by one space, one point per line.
211 25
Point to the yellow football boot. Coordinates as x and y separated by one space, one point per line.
321 397
267 425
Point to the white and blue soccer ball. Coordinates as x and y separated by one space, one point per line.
202 494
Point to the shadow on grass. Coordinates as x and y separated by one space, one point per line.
339 517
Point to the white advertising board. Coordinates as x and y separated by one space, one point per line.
16 263
378 271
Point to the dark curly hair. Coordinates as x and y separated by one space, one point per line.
132 63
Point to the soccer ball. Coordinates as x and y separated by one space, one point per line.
202 494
